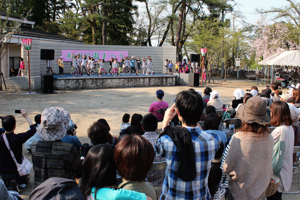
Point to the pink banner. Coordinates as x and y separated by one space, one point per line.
106 55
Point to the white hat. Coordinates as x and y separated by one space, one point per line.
54 124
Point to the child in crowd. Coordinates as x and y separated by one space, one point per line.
101 66
125 122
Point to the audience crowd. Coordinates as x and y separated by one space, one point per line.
204 150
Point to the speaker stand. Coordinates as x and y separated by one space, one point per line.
2 80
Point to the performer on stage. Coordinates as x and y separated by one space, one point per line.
89 66
127 64
79 65
150 66
101 65
121 63
132 65
110 65
84 64
115 67
139 64
74 64
144 66
60 63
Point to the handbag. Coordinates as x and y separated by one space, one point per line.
23 168
278 155
273 186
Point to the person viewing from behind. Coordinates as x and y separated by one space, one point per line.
249 158
215 101
188 165
36 136
135 127
274 87
207 92
158 105
149 125
211 126
52 157
99 176
281 118
72 138
246 97
277 94
125 122
99 134
134 156
8 168
238 98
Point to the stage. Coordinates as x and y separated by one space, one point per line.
69 82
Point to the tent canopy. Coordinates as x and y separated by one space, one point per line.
287 58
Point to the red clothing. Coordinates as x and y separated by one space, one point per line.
22 66
156 106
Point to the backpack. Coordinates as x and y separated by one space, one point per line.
57 188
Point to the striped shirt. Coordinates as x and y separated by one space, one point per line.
205 146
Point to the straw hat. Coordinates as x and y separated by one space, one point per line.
254 111
54 124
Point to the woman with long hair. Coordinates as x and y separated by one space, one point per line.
248 163
281 117
99 176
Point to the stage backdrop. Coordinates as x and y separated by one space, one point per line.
106 55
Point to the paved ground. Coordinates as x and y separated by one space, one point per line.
87 106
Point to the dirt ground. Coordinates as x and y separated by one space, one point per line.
87 106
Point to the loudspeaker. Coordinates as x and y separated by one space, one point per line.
47 83
193 57
193 79
179 57
44 54
47 54
50 54
197 58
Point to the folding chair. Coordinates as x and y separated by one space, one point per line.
157 166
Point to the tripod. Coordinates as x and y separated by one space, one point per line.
2 79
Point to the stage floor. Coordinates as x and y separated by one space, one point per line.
93 76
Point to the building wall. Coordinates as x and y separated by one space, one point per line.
38 67
158 54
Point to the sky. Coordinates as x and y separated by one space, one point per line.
248 7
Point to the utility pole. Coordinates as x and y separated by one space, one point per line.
222 65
